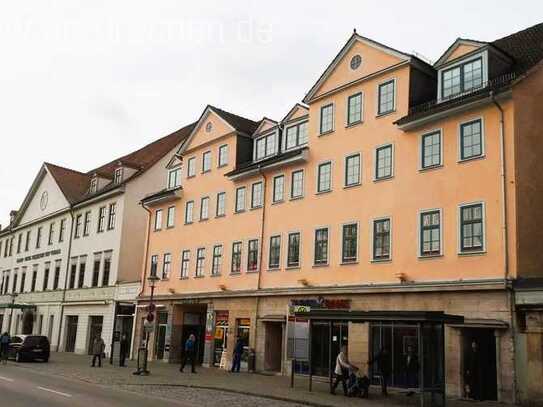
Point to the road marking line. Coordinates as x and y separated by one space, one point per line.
7 379
54 391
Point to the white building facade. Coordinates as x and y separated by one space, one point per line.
72 255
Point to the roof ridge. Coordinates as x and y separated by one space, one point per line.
234 114
64 168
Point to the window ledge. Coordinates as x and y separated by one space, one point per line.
205 171
296 198
203 220
235 273
379 115
348 262
199 276
383 178
255 207
429 256
157 230
472 253
215 275
320 265
170 227
273 269
389 260
354 124
278 202
252 271
189 223
352 186
431 167
323 192
191 176
220 216
325 133
240 211
464 160
222 166
183 278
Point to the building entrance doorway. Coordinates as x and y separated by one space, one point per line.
326 342
71 333
28 322
194 323
221 335
479 357
160 340
273 346
95 329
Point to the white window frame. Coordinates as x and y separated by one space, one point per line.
328 235
202 206
322 133
217 214
244 208
158 220
259 248
118 175
177 177
394 97
221 261
273 134
317 177
459 230
170 216
420 255
196 275
221 153
341 232
185 276
191 167
459 139
421 149
302 170
300 247
484 58
191 220
359 154
253 206
295 123
282 190
375 179
279 235
205 156
347 98
372 241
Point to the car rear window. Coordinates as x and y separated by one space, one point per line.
35 340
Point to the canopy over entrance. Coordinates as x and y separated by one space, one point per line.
16 306
428 325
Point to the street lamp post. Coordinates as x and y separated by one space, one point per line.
149 319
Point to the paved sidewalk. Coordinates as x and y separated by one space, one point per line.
166 381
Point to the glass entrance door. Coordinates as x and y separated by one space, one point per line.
326 342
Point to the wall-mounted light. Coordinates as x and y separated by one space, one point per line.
402 277
222 287
171 290
304 282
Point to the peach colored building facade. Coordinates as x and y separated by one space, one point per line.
397 185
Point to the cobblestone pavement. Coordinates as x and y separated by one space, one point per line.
212 387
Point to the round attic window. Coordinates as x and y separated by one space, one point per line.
355 62
209 127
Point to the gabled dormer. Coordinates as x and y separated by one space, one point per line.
295 128
468 66
123 170
266 140
98 181
174 167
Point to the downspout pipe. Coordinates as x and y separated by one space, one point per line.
508 282
61 324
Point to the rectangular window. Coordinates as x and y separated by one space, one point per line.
383 162
189 208
154 266
327 119
200 259
217 260
86 223
73 273
293 255
221 204
462 78
240 199
101 219
256 195
46 271
471 139
23 278
158 219
62 230
185 264
386 97
204 208
265 146
297 184
354 109
349 243
275 252
82 267
252 255
20 240
191 167
296 136
166 266
51 234
431 150
118 176
471 228
223 155
78 223
170 220
38 240
111 216
96 269
107 268
27 241
174 178
381 239
352 170
236 257
93 185
206 161
430 233
34 278
56 277
324 177
15 277
278 188
321 246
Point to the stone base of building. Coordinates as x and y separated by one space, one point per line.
263 324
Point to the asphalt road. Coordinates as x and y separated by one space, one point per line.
25 388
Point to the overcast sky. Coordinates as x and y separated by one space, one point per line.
82 82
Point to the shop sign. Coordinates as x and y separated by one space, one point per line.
301 308
39 256
320 303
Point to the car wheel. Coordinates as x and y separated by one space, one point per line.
18 357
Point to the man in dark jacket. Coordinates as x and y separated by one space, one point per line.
4 347
411 368
98 347
189 353
124 345
384 367
236 357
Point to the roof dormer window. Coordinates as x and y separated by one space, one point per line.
93 185
463 77
296 135
118 176
174 178
265 146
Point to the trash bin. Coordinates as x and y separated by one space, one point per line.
251 360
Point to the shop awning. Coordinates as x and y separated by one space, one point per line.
382 316
9 305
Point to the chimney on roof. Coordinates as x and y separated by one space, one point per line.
12 216
354 30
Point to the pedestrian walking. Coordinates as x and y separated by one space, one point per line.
384 366
236 356
189 353
4 347
124 345
411 369
342 370
98 347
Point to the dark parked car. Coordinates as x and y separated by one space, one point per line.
29 347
